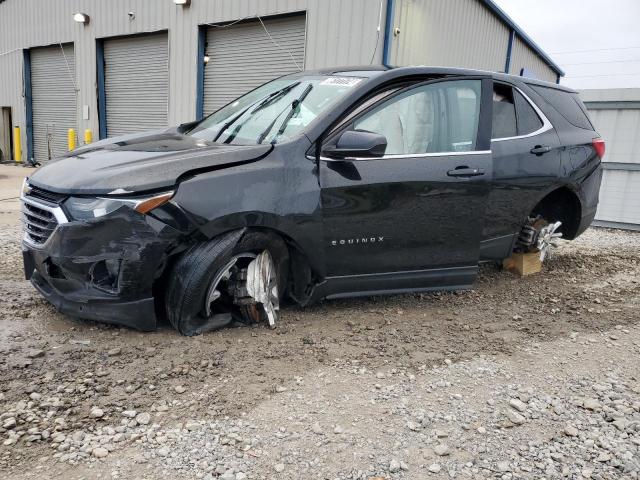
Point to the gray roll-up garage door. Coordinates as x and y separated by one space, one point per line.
242 57
136 75
53 99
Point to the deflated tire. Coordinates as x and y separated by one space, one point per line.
207 288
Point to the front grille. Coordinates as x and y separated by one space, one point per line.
39 223
45 195
41 214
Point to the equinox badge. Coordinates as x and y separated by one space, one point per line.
356 241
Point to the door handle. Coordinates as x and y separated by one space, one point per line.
465 172
540 149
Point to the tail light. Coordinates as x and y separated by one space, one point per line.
598 146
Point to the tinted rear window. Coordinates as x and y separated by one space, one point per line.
567 104
504 112
528 119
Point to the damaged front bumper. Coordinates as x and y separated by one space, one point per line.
101 269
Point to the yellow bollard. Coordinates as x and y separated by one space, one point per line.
88 136
17 145
71 138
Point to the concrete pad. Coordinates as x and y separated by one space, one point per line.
11 177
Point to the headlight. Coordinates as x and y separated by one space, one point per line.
84 208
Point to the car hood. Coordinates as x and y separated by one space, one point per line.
138 163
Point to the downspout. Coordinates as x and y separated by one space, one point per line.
102 95
388 33
202 39
28 104
512 37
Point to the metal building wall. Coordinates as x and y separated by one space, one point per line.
522 56
53 100
242 57
338 33
460 33
11 88
136 83
616 115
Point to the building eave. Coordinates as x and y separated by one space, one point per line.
502 15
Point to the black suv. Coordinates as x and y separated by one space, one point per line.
323 184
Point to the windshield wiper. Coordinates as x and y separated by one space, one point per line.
260 104
272 97
293 108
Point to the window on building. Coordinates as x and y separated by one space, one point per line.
434 118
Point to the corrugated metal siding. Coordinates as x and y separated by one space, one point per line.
619 197
523 57
6 150
344 33
460 33
11 90
620 128
53 100
339 32
610 95
621 132
243 57
136 83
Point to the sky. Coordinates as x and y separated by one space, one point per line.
596 42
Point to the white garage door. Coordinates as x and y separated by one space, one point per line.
136 77
242 57
53 99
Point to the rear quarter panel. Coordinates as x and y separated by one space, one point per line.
580 169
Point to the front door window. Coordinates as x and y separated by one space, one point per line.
433 118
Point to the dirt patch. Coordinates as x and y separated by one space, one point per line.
389 387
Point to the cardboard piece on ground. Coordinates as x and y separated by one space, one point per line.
523 264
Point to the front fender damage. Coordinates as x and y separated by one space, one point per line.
105 269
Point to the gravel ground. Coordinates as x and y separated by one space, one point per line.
519 378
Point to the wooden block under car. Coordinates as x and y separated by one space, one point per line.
523 264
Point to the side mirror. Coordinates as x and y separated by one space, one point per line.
357 143
183 127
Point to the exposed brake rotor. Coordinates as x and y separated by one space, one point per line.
222 282
539 236
249 283
262 285
547 237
